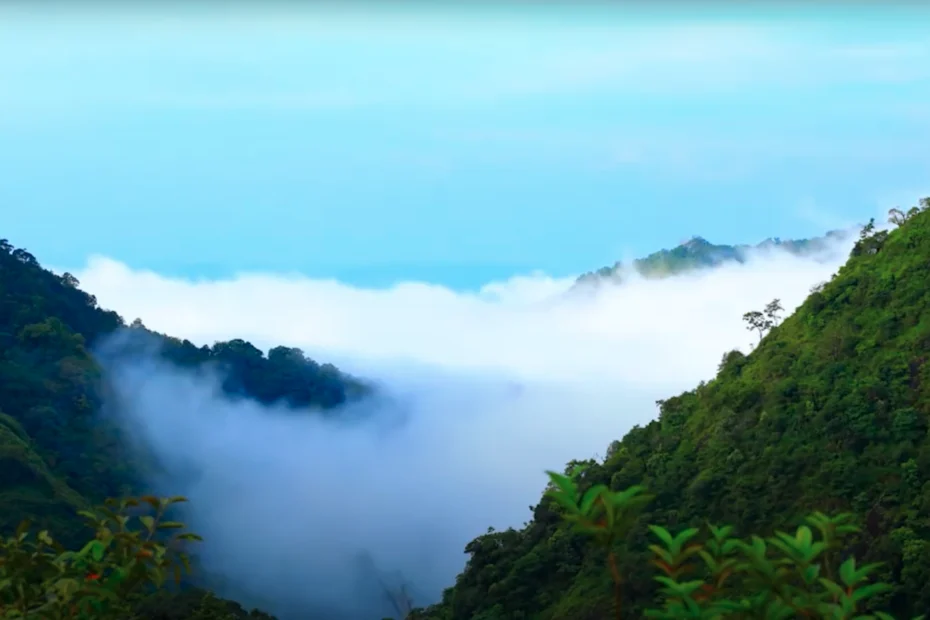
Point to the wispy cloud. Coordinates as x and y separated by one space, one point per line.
314 58
483 392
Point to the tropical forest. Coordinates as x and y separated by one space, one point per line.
790 485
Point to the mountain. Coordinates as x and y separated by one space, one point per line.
57 455
829 412
698 253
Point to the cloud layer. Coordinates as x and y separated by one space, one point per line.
482 391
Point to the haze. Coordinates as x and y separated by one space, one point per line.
480 393
409 193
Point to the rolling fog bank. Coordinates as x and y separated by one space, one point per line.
479 393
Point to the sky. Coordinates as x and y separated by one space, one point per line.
478 393
409 193
376 143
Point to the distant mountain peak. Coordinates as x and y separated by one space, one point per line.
696 241
697 253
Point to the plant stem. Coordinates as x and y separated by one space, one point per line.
618 591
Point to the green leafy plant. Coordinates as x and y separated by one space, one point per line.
601 513
719 576
782 576
133 552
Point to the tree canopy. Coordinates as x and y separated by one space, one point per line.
828 413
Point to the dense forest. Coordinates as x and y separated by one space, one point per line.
698 253
829 412
57 455
823 427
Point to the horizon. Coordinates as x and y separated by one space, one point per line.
451 146
407 195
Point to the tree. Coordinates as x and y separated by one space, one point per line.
69 280
897 216
772 310
871 241
765 320
134 552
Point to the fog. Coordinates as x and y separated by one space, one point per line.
479 393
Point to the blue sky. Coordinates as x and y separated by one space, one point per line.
378 143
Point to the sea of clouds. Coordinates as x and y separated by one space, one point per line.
479 393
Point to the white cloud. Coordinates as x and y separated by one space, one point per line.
242 59
507 324
484 391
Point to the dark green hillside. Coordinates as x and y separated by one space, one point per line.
57 456
829 412
54 452
698 253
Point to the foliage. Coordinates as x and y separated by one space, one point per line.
782 576
599 512
39 578
698 253
765 320
829 413
135 551
56 454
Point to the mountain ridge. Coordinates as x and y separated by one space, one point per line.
58 455
831 411
699 253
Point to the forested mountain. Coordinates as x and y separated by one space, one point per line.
697 253
56 454
829 412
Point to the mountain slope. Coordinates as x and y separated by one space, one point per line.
56 454
829 412
53 447
698 253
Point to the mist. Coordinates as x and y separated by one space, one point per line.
478 394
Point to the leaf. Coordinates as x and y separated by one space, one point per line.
870 590
664 555
170 525
96 550
148 521
662 534
566 502
682 537
151 500
848 572
591 496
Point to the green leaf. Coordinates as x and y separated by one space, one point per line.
870 590
848 572
148 521
662 534
170 525
96 550
682 537
591 496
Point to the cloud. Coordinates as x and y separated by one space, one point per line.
272 59
482 391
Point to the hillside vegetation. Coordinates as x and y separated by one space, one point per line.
57 455
699 253
829 412
822 431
